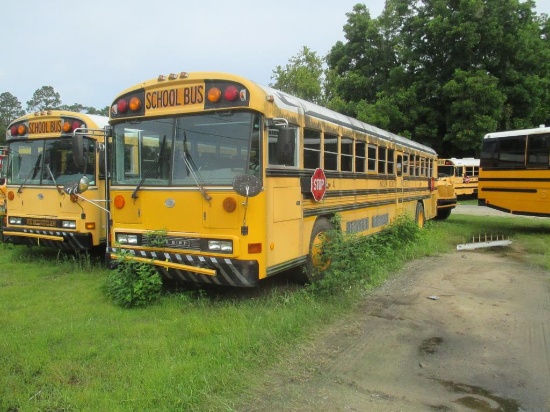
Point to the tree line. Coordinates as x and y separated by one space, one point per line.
45 98
441 72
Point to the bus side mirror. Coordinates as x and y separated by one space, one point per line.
78 151
247 185
286 146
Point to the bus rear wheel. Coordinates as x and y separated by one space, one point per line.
317 260
419 216
443 214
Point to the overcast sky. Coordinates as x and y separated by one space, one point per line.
89 51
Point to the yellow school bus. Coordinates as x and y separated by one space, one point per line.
463 173
42 163
3 165
216 179
514 172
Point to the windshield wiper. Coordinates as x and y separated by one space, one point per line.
148 172
59 190
34 169
193 170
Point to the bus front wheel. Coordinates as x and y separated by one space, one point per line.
317 260
419 216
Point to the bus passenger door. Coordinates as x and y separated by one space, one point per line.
400 168
284 199
284 231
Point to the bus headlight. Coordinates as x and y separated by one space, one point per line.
68 224
15 220
225 246
126 239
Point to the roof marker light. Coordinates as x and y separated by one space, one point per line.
172 76
135 104
122 106
231 94
214 95
161 78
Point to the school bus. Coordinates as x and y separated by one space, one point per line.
217 179
463 173
3 163
42 163
514 172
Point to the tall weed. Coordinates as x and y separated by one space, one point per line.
361 262
133 284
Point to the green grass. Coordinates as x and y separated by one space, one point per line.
64 346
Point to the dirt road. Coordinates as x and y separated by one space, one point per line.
467 331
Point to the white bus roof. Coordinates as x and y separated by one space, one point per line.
467 161
297 105
520 132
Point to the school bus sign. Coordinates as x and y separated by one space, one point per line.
318 184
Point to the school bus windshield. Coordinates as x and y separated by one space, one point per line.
212 148
48 162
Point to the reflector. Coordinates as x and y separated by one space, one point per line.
229 204
119 201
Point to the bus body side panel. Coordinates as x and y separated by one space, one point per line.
516 192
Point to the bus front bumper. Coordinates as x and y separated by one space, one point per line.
446 203
193 268
57 239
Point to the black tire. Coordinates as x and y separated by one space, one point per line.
443 214
420 216
317 263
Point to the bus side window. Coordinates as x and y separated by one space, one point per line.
330 151
286 147
372 159
360 156
399 165
312 149
391 161
346 153
382 160
537 150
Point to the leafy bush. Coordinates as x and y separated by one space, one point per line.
133 284
360 262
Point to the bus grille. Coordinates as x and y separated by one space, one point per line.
174 242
